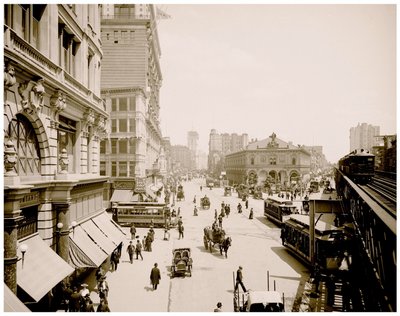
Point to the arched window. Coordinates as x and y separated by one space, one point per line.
22 134
293 160
252 160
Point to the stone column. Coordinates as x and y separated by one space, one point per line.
12 216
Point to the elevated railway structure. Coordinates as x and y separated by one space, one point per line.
372 208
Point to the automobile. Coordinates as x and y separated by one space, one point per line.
262 301
182 262
227 191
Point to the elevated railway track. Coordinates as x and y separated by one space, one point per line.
372 207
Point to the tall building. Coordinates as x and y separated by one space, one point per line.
363 136
193 139
130 83
54 119
220 145
181 158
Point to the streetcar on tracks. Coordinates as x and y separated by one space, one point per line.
275 208
359 166
144 214
332 244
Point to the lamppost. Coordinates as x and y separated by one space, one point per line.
23 248
60 246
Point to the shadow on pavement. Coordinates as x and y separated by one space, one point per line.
148 288
266 222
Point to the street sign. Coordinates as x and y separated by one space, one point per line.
140 185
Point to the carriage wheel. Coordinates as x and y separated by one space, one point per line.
205 242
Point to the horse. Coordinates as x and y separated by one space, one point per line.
224 246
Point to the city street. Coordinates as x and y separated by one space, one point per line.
256 246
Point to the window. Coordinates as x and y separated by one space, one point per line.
132 125
113 146
131 169
66 140
102 168
22 134
293 160
113 126
123 144
27 21
103 147
68 49
122 104
113 169
272 161
122 172
123 125
114 104
132 104
132 35
132 146
252 160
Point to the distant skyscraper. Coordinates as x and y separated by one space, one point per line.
362 136
193 139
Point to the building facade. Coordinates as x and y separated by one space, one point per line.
181 159
220 145
272 157
130 83
54 120
363 136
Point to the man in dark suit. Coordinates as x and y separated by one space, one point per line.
155 276
239 279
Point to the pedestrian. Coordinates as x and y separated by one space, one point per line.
131 250
246 204
103 306
179 211
138 250
87 304
239 279
75 300
148 242
114 259
251 214
155 276
133 231
99 273
181 229
103 288
219 307
201 188
239 208
66 292
220 221
85 291
144 243
216 214
194 199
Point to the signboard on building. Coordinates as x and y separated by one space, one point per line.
140 185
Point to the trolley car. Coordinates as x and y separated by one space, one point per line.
331 242
275 208
144 214
359 166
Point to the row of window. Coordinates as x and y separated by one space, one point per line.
122 146
262 159
118 169
123 125
122 104
121 37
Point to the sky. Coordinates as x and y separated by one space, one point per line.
308 73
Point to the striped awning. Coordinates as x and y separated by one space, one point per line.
42 268
109 228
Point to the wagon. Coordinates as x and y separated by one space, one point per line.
227 191
205 203
182 262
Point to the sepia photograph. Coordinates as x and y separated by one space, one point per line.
200 157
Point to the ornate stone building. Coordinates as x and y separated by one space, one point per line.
273 157
54 119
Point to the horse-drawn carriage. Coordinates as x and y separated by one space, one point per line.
218 237
180 195
205 203
182 262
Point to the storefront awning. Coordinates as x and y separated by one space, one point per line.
98 236
12 302
42 269
80 242
122 196
109 228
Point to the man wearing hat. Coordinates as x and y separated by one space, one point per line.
84 290
239 279
103 287
219 307
130 250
